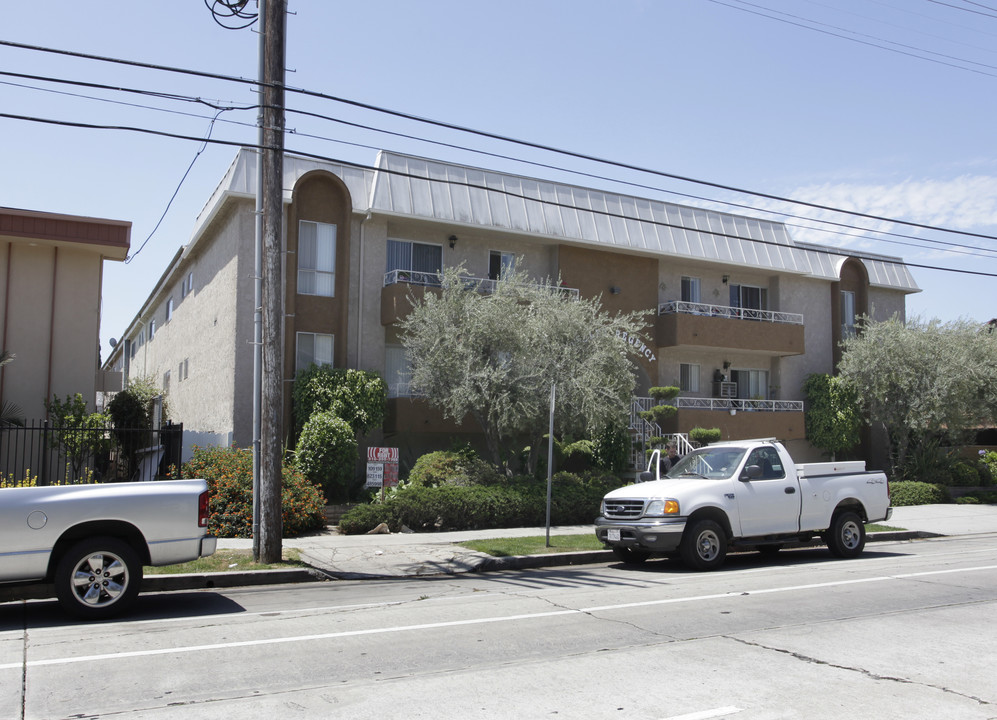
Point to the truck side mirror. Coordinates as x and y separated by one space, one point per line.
751 472
646 476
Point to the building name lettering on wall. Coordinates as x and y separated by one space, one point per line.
637 343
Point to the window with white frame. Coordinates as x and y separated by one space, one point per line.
316 258
313 348
166 381
397 371
414 262
152 328
187 286
749 297
169 309
500 264
689 377
690 289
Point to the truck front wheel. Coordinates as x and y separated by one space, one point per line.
704 545
846 536
98 577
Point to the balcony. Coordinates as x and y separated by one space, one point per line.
737 419
702 325
399 285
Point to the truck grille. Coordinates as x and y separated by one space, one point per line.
624 509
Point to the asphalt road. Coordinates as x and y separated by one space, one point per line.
905 631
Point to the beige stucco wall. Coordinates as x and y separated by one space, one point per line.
49 318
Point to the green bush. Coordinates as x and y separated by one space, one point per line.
229 472
611 449
452 467
964 475
912 492
327 454
988 497
705 436
988 467
359 397
519 502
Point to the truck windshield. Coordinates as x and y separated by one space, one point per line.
709 462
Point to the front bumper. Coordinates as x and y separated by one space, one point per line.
657 535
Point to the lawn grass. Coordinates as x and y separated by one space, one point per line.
536 545
228 561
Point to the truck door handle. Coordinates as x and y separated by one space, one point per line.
790 490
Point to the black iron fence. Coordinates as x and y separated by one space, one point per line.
42 453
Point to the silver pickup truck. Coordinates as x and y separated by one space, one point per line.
91 541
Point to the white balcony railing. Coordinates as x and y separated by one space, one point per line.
700 403
692 403
433 279
673 307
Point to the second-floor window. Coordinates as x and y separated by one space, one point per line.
500 264
152 329
847 313
169 311
749 297
689 377
690 289
316 258
415 262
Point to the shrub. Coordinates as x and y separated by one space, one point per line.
452 467
964 475
980 496
611 449
705 436
357 396
912 492
229 472
327 454
518 502
988 467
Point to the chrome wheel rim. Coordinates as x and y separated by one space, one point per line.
99 579
851 535
708 545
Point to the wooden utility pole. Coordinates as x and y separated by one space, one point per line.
274 13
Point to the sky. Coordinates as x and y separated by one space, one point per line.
881 107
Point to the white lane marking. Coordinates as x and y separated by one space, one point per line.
706 714
477 621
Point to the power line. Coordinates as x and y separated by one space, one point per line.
523 143
955 247
468 184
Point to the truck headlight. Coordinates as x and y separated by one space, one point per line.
660 508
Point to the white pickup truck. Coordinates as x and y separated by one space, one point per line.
745 493
91 541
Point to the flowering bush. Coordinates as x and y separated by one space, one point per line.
12 481
229 472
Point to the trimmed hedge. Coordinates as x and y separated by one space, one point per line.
520 502
911 492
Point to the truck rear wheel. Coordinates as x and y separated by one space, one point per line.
98 577
629 555
704 545
846 536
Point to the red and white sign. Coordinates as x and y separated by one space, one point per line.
382 454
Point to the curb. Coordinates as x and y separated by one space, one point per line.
249 578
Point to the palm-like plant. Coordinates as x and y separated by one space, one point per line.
10 414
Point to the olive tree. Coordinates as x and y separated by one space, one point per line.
922 378
833 416
495 352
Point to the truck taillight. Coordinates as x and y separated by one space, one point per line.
202 509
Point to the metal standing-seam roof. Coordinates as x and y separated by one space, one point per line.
410 186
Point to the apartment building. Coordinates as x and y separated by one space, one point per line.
51 269
740 313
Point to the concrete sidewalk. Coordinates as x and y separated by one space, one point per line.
353 557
